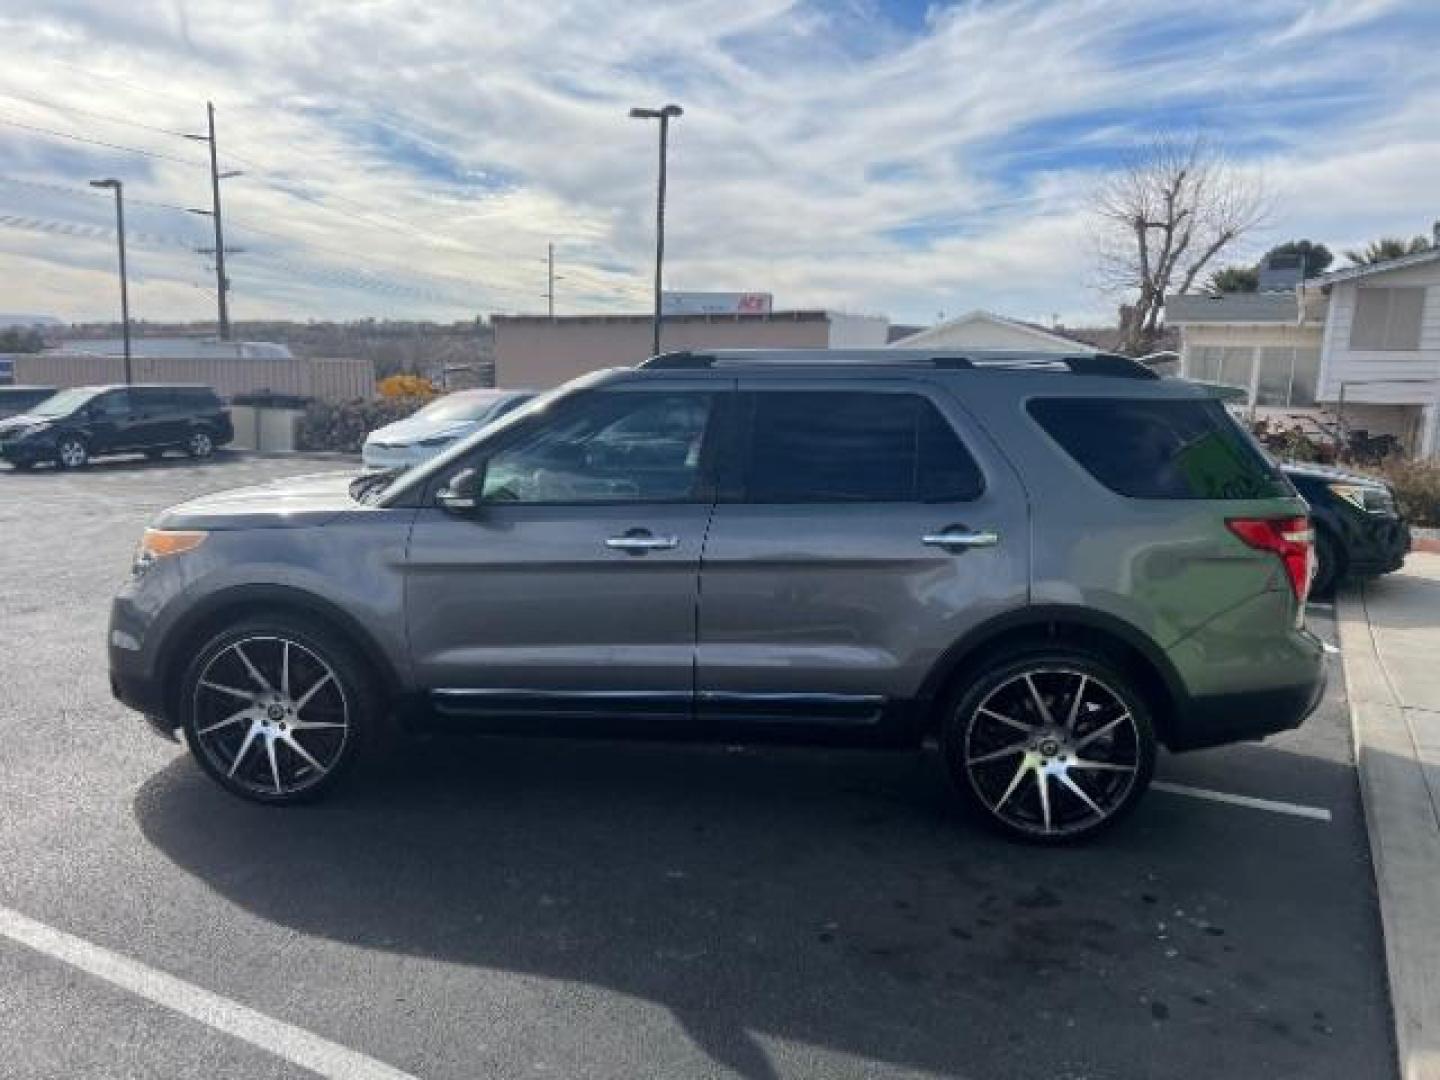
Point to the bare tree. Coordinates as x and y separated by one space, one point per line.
1161 220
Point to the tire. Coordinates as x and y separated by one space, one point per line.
154 455
1329 565
246 733
22 466
72 453
1032 766
200 444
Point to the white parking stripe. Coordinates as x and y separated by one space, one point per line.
286 1041
1314 813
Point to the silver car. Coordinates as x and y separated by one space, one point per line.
444 421
1048 565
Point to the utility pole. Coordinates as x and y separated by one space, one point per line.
222 283
664 115
550 280
119 189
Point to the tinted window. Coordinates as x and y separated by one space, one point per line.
1161 449
152 398
112 404
854 446
607 447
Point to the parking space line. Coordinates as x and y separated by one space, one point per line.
293 1044
1314 813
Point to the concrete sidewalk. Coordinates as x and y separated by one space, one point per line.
1390 637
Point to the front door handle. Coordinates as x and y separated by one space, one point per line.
962 538
638 541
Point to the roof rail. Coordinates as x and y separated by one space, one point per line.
677 361
1107 364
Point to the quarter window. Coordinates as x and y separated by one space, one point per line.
849 446
607 447
1158 449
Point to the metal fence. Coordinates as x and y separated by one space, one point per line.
334 380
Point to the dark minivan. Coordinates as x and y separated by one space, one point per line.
84 422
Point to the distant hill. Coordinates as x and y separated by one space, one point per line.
18 318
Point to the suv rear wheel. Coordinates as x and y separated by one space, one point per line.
1050 745
200 444
277 709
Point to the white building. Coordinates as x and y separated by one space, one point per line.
204 348
986 330
1361 344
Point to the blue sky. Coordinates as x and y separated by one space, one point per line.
412 158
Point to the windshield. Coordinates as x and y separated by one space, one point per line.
461 407
62 404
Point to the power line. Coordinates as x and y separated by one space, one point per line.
100 142
94 115
64 189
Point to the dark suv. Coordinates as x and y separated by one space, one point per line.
1051 565
75 425
1358 528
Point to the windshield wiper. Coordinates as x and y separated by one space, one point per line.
363 489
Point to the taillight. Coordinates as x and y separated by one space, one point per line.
1289 537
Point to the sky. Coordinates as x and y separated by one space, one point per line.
412 158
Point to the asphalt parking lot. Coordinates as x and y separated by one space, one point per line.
508 908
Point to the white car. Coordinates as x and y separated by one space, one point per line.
412 440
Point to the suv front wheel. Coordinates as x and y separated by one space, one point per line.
1050 745
276 709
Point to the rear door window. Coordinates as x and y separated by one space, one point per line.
1161 449
853 446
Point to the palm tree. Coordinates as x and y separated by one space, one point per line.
1386 248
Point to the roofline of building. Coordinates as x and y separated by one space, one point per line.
980 313
802 315
1349 273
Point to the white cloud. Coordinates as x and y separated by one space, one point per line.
813 133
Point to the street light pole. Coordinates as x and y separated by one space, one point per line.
119 190
664 115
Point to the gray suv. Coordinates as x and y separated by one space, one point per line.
1050 565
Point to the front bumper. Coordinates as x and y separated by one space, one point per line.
27 451
1380 547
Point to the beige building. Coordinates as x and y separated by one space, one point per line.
540 352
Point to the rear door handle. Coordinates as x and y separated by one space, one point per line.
637 542
962 538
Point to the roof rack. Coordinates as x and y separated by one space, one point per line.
1107 364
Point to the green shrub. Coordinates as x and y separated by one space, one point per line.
1417 488
327 427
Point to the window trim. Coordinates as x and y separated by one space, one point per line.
733 489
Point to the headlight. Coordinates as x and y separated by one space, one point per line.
35 429
1369 498
157 544
439 440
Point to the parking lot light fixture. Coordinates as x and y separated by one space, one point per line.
664 114
111 183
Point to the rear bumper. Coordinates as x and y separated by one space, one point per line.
1217 719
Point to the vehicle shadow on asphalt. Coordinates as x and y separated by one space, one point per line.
830 899
125 463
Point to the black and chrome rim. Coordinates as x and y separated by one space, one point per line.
201 444
72 453
271 715
1052 751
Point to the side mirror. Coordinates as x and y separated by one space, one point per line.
461 493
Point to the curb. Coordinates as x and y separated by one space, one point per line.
1400 819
